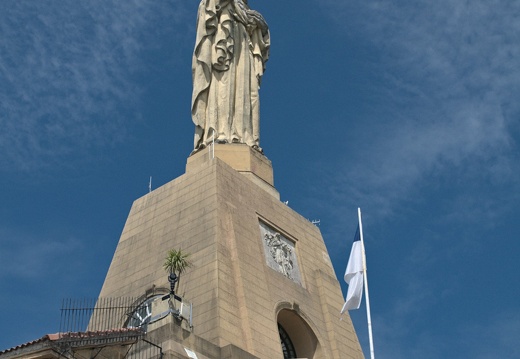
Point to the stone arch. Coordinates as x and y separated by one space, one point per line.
302 339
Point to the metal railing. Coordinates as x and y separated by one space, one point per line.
99 325
78 315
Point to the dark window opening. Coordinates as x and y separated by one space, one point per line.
287 346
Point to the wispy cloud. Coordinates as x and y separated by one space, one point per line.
67 75
494 337
26 256
491 338
447 96
448 91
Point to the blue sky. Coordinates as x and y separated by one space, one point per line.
408 110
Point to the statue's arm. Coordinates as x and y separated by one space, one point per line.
258 20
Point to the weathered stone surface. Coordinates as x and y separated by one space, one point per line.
241 158
214 212
231 49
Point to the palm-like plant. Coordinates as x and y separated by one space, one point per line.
176 263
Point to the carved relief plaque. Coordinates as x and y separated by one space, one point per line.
279 253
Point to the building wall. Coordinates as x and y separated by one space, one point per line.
214 212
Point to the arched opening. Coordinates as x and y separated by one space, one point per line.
287 345
296 336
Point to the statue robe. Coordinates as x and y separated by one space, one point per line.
228 63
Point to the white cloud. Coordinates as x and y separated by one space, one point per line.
491 338
66 75
440 146
447 97
25 256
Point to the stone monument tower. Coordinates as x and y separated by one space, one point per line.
261 284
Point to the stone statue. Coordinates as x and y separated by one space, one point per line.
231 49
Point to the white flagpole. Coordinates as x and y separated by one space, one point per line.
369 319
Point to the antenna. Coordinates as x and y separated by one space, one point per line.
150 185
286 203
316 222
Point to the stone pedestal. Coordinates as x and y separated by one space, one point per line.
241 158
257 264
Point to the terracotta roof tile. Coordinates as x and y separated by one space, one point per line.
77 335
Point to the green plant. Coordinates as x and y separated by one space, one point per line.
177 262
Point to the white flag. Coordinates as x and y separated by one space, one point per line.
354 275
